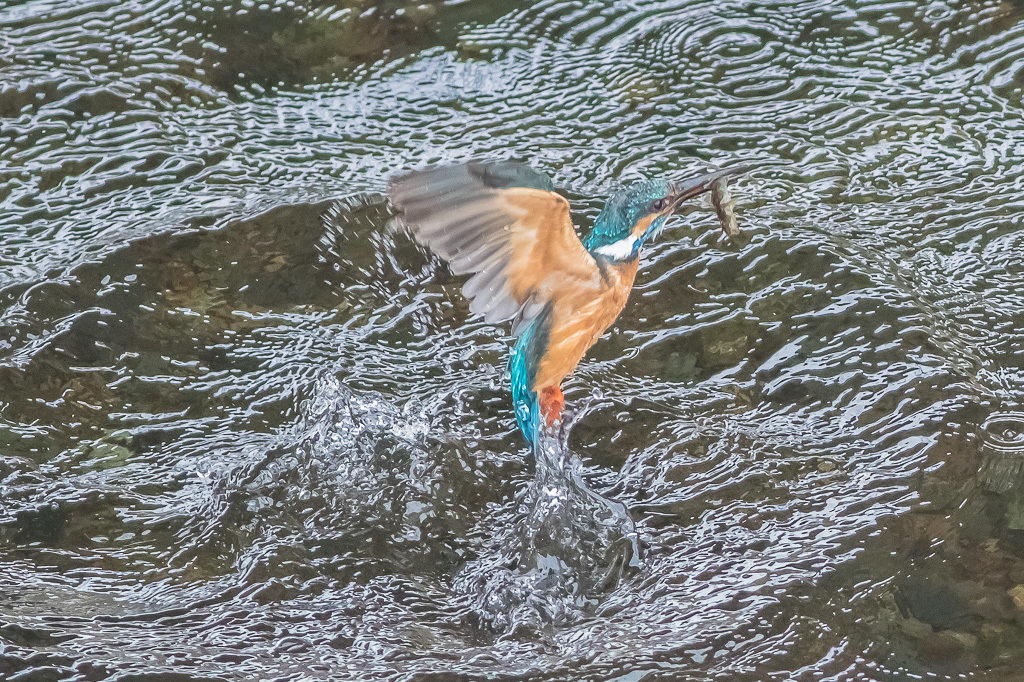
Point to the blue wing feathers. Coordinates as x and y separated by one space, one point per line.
505 174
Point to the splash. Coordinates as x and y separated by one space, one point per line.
567 548
549 556
363 468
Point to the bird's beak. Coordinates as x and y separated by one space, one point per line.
693 187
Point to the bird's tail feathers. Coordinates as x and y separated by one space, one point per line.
522 369
524 400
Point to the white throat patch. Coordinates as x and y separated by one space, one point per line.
620 250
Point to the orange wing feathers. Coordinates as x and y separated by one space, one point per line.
518 242
546 251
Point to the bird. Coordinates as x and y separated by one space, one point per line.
503 223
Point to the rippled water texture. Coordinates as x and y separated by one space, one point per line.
249 432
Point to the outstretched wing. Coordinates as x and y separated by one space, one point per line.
503 222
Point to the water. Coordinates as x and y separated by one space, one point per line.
248 432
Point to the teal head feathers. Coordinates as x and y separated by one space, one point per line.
628 218
634 215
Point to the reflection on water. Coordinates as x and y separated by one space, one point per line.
248 431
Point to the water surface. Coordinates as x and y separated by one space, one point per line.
249 432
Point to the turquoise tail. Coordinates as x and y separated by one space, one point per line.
524 401
522 368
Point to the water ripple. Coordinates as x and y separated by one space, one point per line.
246 429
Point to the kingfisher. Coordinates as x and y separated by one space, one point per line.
503 223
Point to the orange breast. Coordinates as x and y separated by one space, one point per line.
579 317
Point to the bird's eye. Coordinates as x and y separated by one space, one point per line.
658 204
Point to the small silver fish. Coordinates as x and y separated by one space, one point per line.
725 207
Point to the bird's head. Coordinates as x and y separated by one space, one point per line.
634 214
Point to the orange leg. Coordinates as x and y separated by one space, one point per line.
551 404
